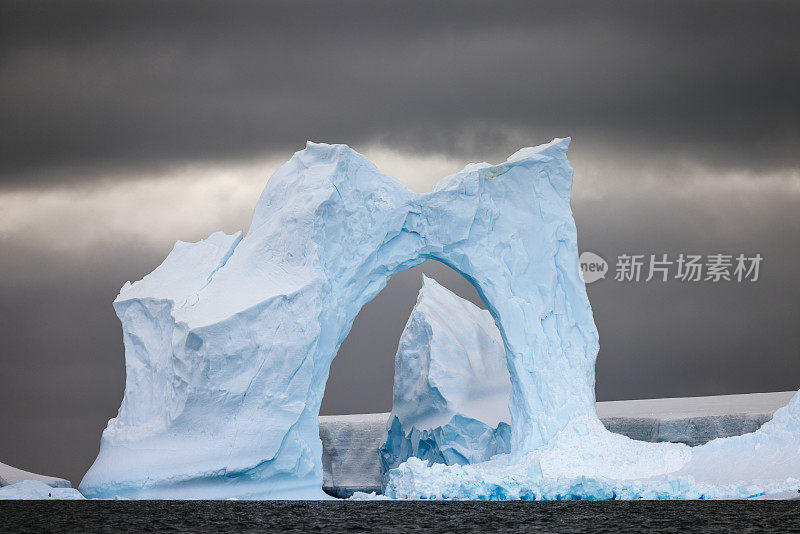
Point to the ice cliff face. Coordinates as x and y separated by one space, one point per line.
228 343
451 384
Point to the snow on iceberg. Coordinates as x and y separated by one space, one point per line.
229 342
28 490
767 457
451 384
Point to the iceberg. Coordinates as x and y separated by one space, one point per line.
769 456
451 393
691 420
228 343
350 452
28 490
451 384
11 475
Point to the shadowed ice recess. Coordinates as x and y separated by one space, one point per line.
228 345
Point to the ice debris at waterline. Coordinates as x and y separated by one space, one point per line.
586 461
228 343
28 490
451 384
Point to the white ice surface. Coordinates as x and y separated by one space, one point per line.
451 384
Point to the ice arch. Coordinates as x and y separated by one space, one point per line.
229 341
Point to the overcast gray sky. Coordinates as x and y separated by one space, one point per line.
129 125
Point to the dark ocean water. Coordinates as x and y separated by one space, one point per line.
575 516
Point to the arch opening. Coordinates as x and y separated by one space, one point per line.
362 372
422 373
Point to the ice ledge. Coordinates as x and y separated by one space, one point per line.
35 490
686 407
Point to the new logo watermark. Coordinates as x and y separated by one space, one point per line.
593 267
717 267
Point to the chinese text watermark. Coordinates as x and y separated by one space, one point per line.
713 268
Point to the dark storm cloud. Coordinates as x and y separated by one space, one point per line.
105 84
677 338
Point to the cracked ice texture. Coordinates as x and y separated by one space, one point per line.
451 384
229 342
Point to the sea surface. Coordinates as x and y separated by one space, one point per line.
399 516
